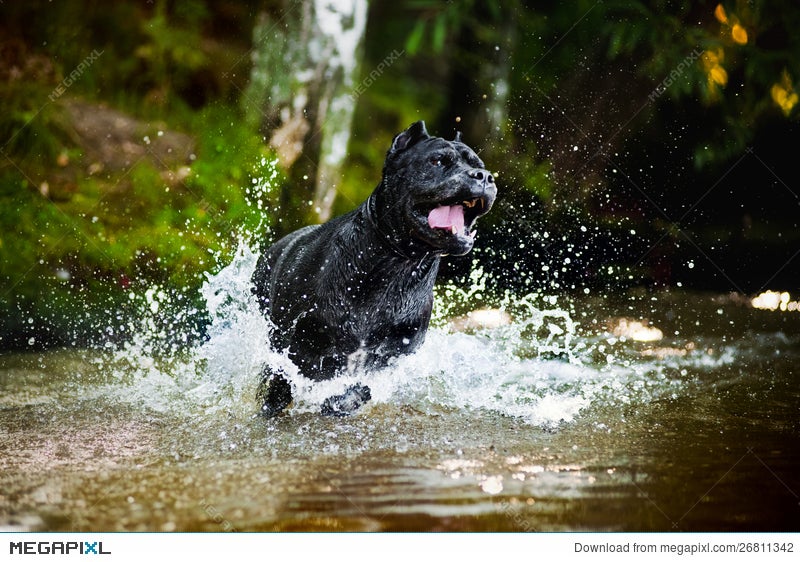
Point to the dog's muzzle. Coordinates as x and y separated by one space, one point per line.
459 212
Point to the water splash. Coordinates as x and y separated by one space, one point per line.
537 363
536 367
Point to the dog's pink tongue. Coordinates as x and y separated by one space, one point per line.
447 217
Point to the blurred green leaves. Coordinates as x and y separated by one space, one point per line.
171 51
602 77
138 226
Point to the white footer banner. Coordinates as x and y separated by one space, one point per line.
410 547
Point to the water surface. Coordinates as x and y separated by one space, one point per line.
650 411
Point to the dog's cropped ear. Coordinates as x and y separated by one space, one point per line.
411 136
458 137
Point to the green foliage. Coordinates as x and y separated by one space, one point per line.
523 169
178 229
134 228
172 52
233 175
730 56
78 236
438 20
276 55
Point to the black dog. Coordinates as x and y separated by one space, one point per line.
359 288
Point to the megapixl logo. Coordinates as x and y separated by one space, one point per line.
57 547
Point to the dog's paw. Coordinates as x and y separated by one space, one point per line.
274 395
347 403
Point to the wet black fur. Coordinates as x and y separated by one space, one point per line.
358 290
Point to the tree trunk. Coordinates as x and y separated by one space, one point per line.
305 60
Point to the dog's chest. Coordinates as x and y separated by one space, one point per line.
388 304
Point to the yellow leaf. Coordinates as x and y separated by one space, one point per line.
778 94
718 75
719 13
739 34
713 58
783 98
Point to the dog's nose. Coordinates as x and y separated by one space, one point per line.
481 175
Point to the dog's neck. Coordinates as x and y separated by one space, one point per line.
408 252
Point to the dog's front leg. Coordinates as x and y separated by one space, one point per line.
274 393
345 404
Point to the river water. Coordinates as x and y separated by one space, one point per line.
647 411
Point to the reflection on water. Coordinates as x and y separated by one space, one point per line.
656 411
773 300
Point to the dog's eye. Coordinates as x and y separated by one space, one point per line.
440 161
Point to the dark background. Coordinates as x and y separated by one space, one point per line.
648 144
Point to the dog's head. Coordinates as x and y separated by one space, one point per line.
433 191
